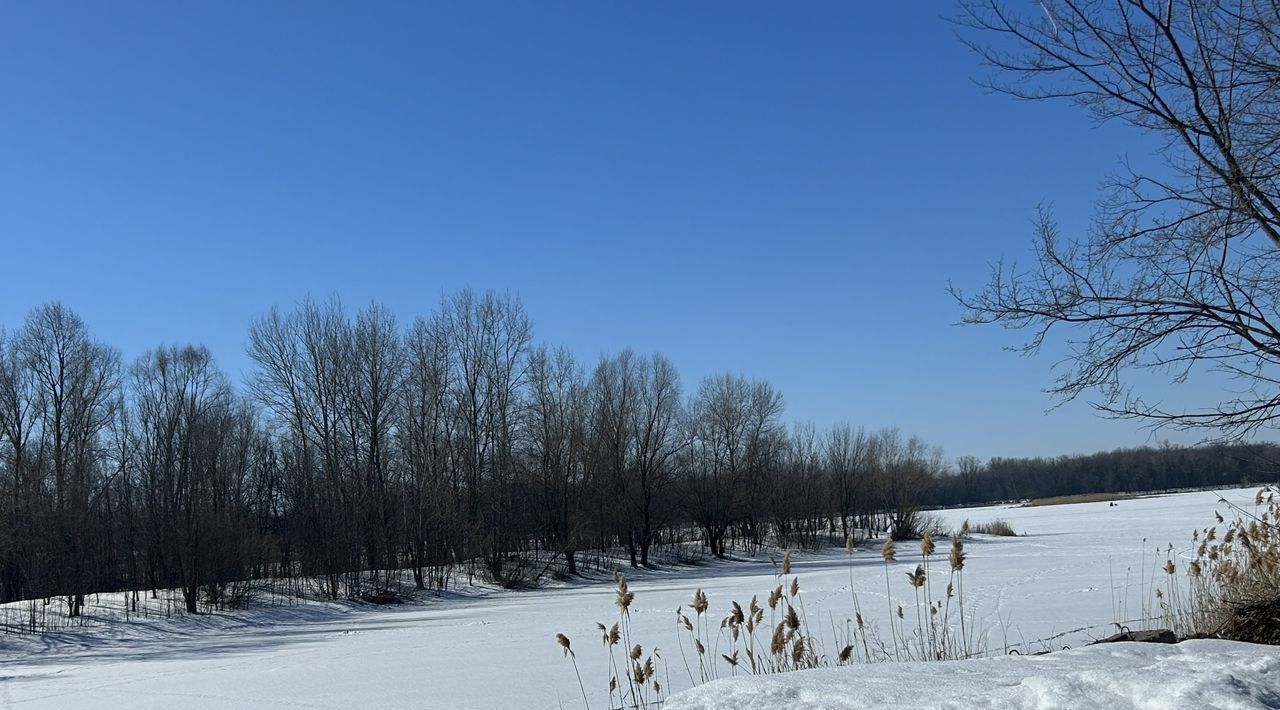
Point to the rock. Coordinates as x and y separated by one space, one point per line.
1151 636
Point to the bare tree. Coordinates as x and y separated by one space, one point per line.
614 398
426 436
847 454
375 374
20 460
490 337
556 425
191 464
1181 272
655 436
969 468
764 443
799 507
301 377
907 467
77 384
733 421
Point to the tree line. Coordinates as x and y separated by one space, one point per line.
1135 470
359 450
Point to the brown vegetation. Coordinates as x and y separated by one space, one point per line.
1081 498
999 526
1234 580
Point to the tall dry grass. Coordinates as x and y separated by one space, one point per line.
999 526
1230 586
778 636
633 680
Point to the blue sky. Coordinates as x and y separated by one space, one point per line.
774 189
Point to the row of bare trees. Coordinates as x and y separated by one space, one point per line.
359 450
362 455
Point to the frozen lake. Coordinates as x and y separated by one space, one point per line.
1077 565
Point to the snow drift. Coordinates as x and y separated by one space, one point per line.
1119 676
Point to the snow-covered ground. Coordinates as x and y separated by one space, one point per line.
1194 675
1082 565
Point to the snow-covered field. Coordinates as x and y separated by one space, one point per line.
1081 565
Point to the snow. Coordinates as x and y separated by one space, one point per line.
1123 676
1079 566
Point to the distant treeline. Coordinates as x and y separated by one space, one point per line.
359 449
1120 471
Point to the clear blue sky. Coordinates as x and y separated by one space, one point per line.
775 189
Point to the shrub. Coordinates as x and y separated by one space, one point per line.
999 526
912 525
